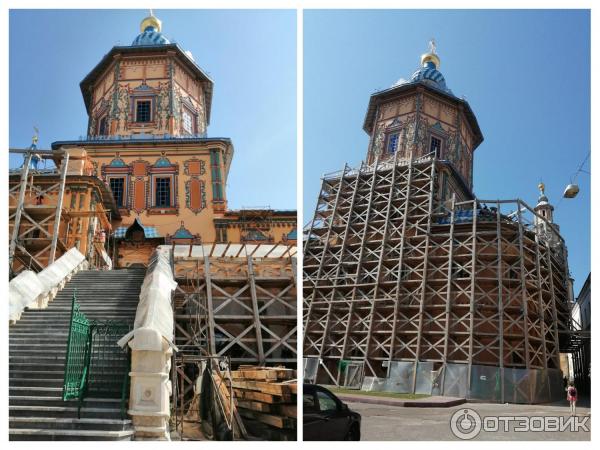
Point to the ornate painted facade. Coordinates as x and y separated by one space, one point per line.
149 107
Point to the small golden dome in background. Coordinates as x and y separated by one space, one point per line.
541 187
151 21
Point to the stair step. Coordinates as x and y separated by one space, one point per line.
69 424
63 412
102 403
37 353
41 434
40 391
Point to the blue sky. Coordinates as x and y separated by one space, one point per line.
526 75
250 55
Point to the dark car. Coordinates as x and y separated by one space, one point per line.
327 418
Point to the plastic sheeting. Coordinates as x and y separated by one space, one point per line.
28 288
154 309
59 272
23 291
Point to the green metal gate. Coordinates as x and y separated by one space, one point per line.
95 365
78 353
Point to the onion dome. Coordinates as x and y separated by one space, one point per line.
150 32
542 199
428 73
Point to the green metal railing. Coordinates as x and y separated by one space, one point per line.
95 365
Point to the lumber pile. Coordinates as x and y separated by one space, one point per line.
266 400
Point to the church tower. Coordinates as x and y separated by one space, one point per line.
421 116
543 207
149 107
411 283
152 87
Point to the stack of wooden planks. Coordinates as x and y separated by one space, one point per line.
266 400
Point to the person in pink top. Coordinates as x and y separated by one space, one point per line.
572 396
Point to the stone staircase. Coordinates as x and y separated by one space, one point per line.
37 351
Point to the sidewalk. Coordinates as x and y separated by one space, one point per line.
428 402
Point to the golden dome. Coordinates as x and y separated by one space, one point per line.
151 21
427 57
541 187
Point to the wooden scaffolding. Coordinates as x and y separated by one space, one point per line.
401 276
234 301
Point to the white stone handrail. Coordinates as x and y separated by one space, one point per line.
151 343
35 291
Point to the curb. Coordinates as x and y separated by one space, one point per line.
401 403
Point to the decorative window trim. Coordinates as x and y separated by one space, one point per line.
125 195
388 138
155 179
440 152
163 167
436 131
393 129
102 117
194 118
143 93
173 208
136 102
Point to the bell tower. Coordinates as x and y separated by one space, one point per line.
546 211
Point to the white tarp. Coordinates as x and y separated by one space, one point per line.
29 289
61 269
23 291
154 309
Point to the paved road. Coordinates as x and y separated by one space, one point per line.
387 423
